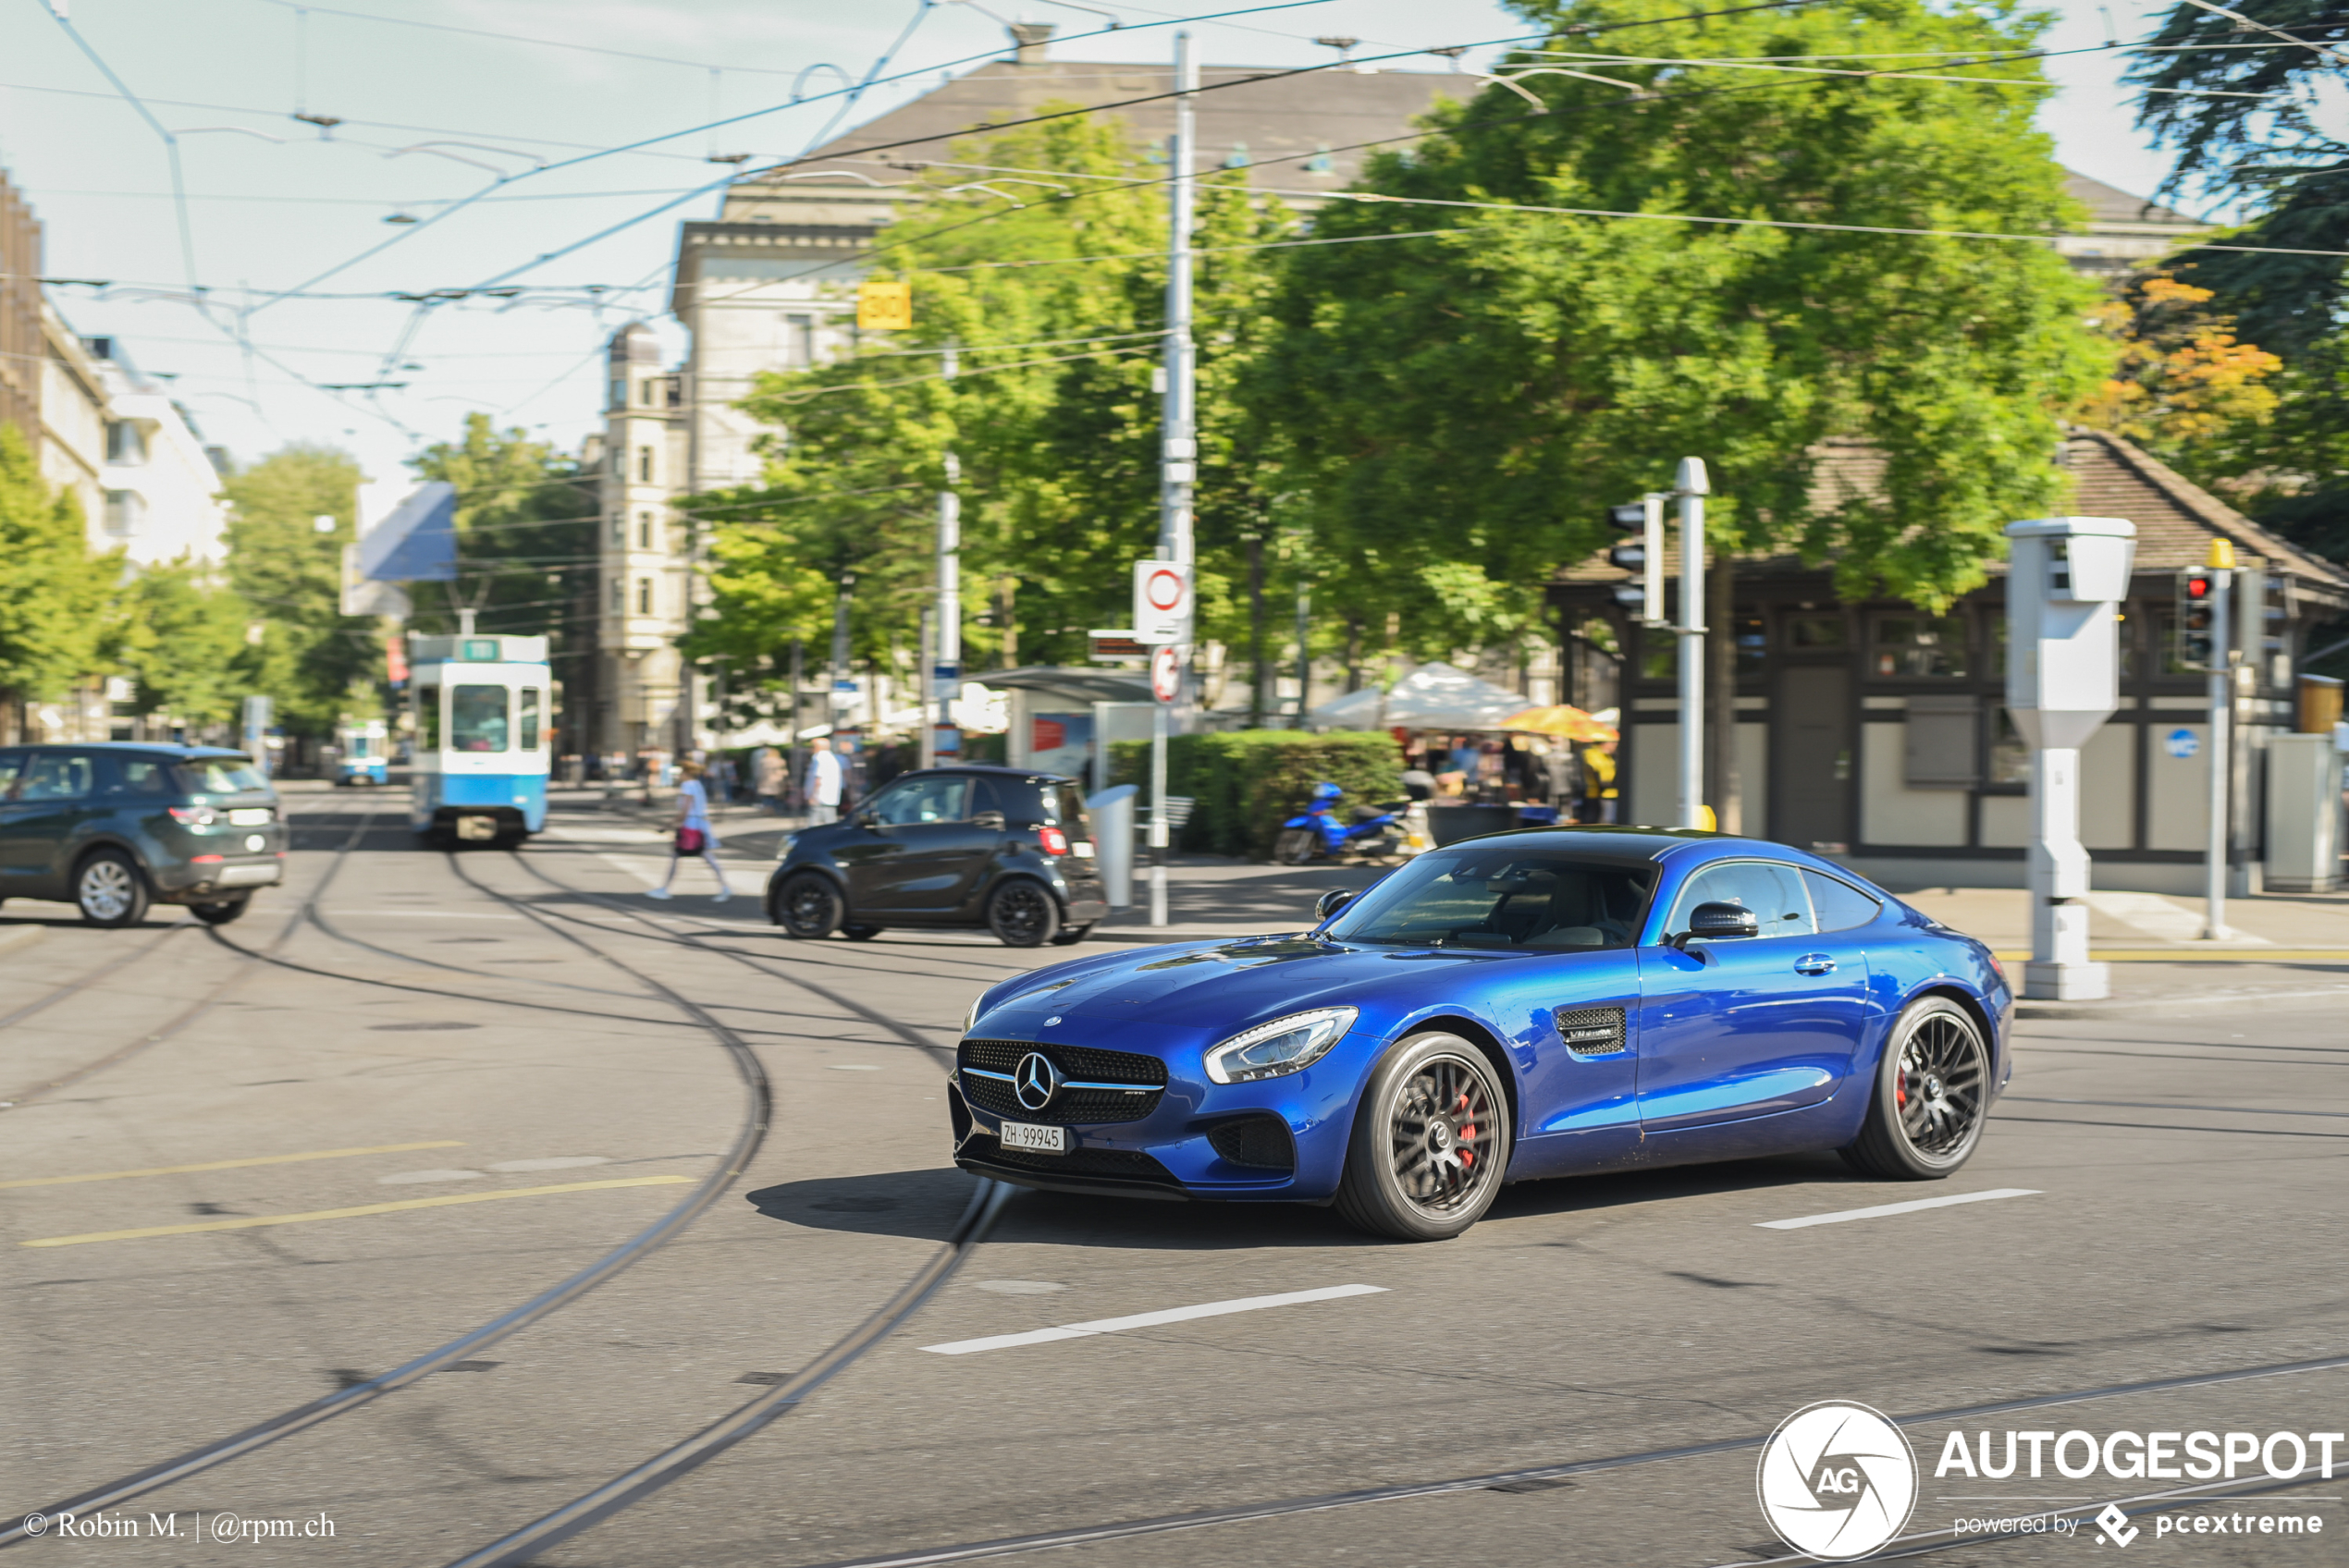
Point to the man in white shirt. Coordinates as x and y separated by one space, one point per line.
823 785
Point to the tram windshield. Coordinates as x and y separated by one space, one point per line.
477 719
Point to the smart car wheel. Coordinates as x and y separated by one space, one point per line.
1023 914
219 914
810 907
861 933
1430 1143
110 890
1932 1091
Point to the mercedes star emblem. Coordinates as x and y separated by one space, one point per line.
1035 1081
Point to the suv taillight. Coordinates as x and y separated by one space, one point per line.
1055 842
194 816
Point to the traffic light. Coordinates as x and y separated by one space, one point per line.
2197 621
1643 556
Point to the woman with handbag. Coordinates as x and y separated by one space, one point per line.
690 834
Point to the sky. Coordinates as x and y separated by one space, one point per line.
527 100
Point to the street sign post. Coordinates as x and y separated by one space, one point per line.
1162 601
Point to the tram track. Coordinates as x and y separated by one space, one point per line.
749 1137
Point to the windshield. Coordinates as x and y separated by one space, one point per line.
220 776
477 719
1499 896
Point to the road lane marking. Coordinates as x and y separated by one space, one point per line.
1151 1319
1883 1209
247 1223
232 1164
419 914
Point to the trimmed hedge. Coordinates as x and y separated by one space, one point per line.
1246 782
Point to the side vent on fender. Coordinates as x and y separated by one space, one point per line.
1592 1031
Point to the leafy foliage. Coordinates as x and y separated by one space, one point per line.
315 661
526 546
2181 380
1463 405
182 639
53 591
1244 783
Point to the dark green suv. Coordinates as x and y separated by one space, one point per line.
109 827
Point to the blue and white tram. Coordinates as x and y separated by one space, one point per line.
482 706
363 751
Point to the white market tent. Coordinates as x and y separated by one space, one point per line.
1434 696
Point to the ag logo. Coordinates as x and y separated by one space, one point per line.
1837 1481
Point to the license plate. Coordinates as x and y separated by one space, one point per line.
247 876
1083 849
249 816
476 829
1039 1140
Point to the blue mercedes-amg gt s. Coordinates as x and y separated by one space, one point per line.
1536 1003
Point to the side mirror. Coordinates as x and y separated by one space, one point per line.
1329 903
869 821
990 820
1718 923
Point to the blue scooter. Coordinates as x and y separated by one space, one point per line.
1376 834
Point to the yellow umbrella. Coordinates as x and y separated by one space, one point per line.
1565 722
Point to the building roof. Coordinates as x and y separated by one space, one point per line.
2176 518
2108 205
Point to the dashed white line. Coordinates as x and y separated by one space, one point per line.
1882 1210
1151 1319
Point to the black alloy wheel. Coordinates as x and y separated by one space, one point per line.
1023 914
1431 1143
1932 1096
110 889
219 914
809 907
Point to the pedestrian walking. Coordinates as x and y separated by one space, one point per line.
824 778
691 835
767 778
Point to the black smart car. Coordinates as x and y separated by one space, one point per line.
109 827
1000 848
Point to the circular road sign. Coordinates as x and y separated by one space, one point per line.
1162 589
2181 744
1166 672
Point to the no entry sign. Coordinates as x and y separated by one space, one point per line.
1166 673
1162 602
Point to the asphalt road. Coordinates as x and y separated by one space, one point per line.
1592 1369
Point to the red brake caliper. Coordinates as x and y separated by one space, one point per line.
1467 1156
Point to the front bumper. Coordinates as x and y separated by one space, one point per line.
1184 1145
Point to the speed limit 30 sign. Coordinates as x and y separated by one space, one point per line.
1162 602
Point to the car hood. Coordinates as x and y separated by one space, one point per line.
1222 985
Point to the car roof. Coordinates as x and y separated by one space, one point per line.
146 748
1613 845
987 769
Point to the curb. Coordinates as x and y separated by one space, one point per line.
22 937
2153 1009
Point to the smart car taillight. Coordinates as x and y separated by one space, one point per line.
1055 842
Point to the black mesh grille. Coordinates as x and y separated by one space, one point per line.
1261 1142
1126 1165
1069 1106
1075 1061
1592 1031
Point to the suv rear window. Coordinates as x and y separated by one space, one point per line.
219 776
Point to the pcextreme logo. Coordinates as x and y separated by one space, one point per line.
1836 1480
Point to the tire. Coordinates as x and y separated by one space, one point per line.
810 907
220 913
1293 847
1932 1096
1023 914
861 933
1418 1168
110 889
1072 936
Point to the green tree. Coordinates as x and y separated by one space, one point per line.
313 660
53 591
526 547
181 637
1051 417
1463 405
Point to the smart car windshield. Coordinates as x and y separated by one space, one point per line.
1498 896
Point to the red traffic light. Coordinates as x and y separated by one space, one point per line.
2198 587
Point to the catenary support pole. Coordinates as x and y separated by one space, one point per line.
944 669
1692 485
2221 758
1179 450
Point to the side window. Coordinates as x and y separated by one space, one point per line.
11 774
1772 892
916 801
1840 905
428 718
984 797
134 777
56 776
530 718
1023 802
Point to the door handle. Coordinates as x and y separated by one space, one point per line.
1815 964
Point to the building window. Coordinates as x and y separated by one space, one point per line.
126 443
618 459
617 593
124 509
1916 645
616 396
643 531
644 595
645 464
799 347
1752 639
619 530
1807 633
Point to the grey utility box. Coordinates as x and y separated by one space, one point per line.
1112 815
2304 814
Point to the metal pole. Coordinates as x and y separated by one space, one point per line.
929 686
838 711
2222 660
1692 485
944 668
791 742
1179 453
1304 647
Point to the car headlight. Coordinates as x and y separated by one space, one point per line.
783 851
1275 1049
970 1020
